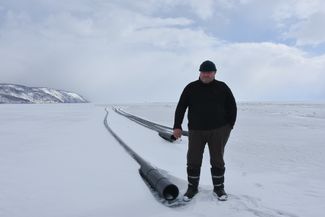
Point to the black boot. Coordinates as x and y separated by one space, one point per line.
218 183
190 193
193 177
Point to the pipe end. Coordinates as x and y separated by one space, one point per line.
171 192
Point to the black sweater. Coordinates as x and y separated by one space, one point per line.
209 105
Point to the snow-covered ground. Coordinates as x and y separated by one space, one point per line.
59 160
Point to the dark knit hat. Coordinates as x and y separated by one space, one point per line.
207 66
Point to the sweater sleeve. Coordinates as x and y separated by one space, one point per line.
181 108
231 107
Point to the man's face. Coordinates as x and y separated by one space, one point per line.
207 77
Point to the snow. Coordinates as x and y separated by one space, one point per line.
59 160
21 94
74 95
53 92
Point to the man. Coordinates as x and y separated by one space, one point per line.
212 114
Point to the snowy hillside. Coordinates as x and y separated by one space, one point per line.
59 160
12 93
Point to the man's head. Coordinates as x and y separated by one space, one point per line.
207 71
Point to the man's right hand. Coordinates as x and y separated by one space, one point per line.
177 133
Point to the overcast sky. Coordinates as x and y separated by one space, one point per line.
118 51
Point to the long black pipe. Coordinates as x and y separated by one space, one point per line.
143 122
151 125
167 136
157 181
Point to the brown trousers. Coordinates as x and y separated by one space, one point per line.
216 139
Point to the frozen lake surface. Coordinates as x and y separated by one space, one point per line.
59 160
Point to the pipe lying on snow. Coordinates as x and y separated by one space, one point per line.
146 123
167 136
157 181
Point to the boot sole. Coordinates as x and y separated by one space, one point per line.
187 199
221 198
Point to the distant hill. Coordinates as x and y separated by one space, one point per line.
16 94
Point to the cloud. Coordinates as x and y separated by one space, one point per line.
115 52
308 31
272 71
204 8
301 20
92 50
